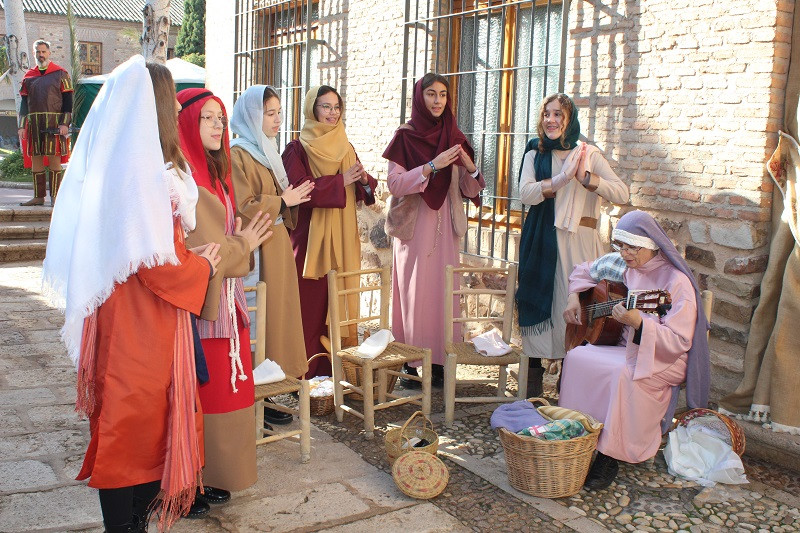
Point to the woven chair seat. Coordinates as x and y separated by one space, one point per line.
279 387
467 355
395 354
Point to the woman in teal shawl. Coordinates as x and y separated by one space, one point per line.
565 182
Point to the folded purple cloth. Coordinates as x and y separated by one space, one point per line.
517 416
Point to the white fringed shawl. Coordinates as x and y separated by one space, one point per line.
114 212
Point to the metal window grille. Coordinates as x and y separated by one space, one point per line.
501 58
276 45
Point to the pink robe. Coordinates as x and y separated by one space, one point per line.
628 387
418 264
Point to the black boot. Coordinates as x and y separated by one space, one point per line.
535 385
199 509
603 472
437 376
410 383
273 416
213 495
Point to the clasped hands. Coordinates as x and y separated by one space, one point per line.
450 156
571 168
354 174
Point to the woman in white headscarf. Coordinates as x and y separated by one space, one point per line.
260 184
117 264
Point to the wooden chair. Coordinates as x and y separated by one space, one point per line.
288 385
464 353
384 365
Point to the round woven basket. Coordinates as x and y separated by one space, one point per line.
418 425
737 434
321 405
550 468
420 475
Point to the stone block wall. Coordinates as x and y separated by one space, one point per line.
686 98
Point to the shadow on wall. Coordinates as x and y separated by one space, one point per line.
659 140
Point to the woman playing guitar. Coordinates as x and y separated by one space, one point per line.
632 386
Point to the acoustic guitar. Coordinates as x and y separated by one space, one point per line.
597 327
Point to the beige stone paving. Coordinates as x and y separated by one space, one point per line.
42 442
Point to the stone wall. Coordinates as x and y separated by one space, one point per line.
685 99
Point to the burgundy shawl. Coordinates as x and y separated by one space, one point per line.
423 141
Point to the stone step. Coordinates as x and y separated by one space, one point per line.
33 213
24 230
22 250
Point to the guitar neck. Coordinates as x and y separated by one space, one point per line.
605 308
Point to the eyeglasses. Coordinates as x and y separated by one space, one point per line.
212 120
620 247
328 108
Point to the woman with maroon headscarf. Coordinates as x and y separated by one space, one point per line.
227 397
431 170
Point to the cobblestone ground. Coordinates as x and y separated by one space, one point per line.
42 443
645 497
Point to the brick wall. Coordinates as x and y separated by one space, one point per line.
120 39
366 67
688 111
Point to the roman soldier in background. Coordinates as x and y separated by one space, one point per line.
45 115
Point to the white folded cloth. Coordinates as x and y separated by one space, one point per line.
320 386
375 344
491 343
268 372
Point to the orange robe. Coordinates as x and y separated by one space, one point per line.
135 340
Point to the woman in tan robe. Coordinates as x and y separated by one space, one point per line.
260 183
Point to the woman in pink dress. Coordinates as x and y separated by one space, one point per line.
633 387
431 170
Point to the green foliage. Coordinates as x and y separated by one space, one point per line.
3 59
196 59
192 36
11 168
76 72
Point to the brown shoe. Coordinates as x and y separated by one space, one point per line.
33 201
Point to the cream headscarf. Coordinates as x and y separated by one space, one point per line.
333 242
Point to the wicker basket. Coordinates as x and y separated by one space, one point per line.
550 468
737 434
321 405
420 475
352 374
418 425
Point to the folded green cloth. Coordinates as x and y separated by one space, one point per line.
556 430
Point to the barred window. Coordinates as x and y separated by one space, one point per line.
501 58
276 45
